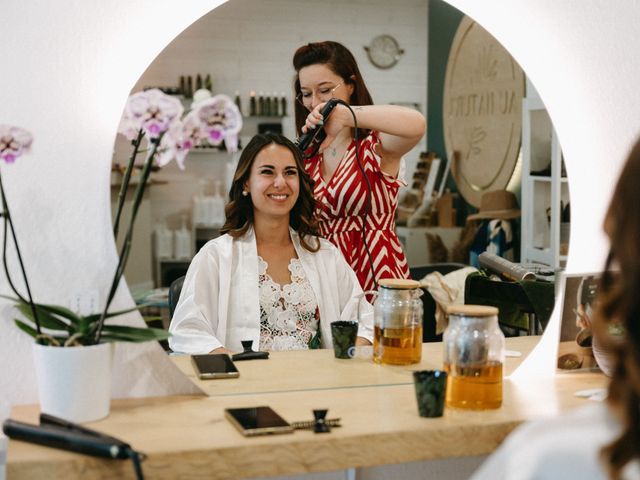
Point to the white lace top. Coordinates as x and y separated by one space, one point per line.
289 315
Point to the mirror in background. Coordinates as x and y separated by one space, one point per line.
233 50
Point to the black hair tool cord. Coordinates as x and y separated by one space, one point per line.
318 135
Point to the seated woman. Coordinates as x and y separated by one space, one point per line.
269 278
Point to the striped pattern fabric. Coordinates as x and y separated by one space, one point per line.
341 203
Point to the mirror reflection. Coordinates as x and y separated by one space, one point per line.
455 205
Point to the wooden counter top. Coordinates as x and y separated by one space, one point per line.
188 437
320 370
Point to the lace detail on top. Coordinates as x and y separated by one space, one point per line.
289 316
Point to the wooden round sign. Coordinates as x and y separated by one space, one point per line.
482 111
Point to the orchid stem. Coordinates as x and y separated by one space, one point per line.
122 194
7 219
126 246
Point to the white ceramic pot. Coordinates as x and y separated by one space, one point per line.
74 383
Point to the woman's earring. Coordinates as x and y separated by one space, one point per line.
245 193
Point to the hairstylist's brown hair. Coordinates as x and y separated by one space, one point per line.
619 303
342 62
239 210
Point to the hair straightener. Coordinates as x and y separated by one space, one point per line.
318 134
58 433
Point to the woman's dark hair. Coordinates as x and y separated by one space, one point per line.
619 305
239 210
342 62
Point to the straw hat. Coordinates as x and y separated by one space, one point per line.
500 204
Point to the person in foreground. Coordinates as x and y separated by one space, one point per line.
269 278
601 440
356 203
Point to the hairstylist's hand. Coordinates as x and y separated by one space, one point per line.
339 118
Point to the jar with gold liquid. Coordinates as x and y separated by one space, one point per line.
473 357
397 337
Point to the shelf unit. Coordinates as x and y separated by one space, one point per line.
168 269
544 238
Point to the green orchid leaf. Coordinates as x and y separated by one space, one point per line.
73 317
49 318
43 309
96 316
26 328
133 334
32 331
45 318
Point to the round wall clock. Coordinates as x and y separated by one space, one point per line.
384 51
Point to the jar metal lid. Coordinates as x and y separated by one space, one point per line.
472 310
398 283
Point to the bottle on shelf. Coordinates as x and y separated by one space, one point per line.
261 109
253 108
182 241
274 105
238 101
208 83
162 241
217 216
199 213
189 92
283 105
198 82
210 206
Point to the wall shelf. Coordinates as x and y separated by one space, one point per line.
542 196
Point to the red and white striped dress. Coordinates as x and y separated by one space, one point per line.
341 204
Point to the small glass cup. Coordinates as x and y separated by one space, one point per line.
344 333
431 386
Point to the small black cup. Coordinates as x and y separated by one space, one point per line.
344 334
430 387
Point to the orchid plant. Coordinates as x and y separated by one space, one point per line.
150 116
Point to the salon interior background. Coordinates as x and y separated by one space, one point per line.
67 72
247 45
246 53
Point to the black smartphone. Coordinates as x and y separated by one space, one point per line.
214 365
257 421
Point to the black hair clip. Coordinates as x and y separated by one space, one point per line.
248 353
320 424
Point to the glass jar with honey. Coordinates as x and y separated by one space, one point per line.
397 336
473 357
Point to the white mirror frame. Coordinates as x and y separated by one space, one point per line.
66 73
577 60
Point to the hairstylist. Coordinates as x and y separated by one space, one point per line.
355 203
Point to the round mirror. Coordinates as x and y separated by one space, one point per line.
230 52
